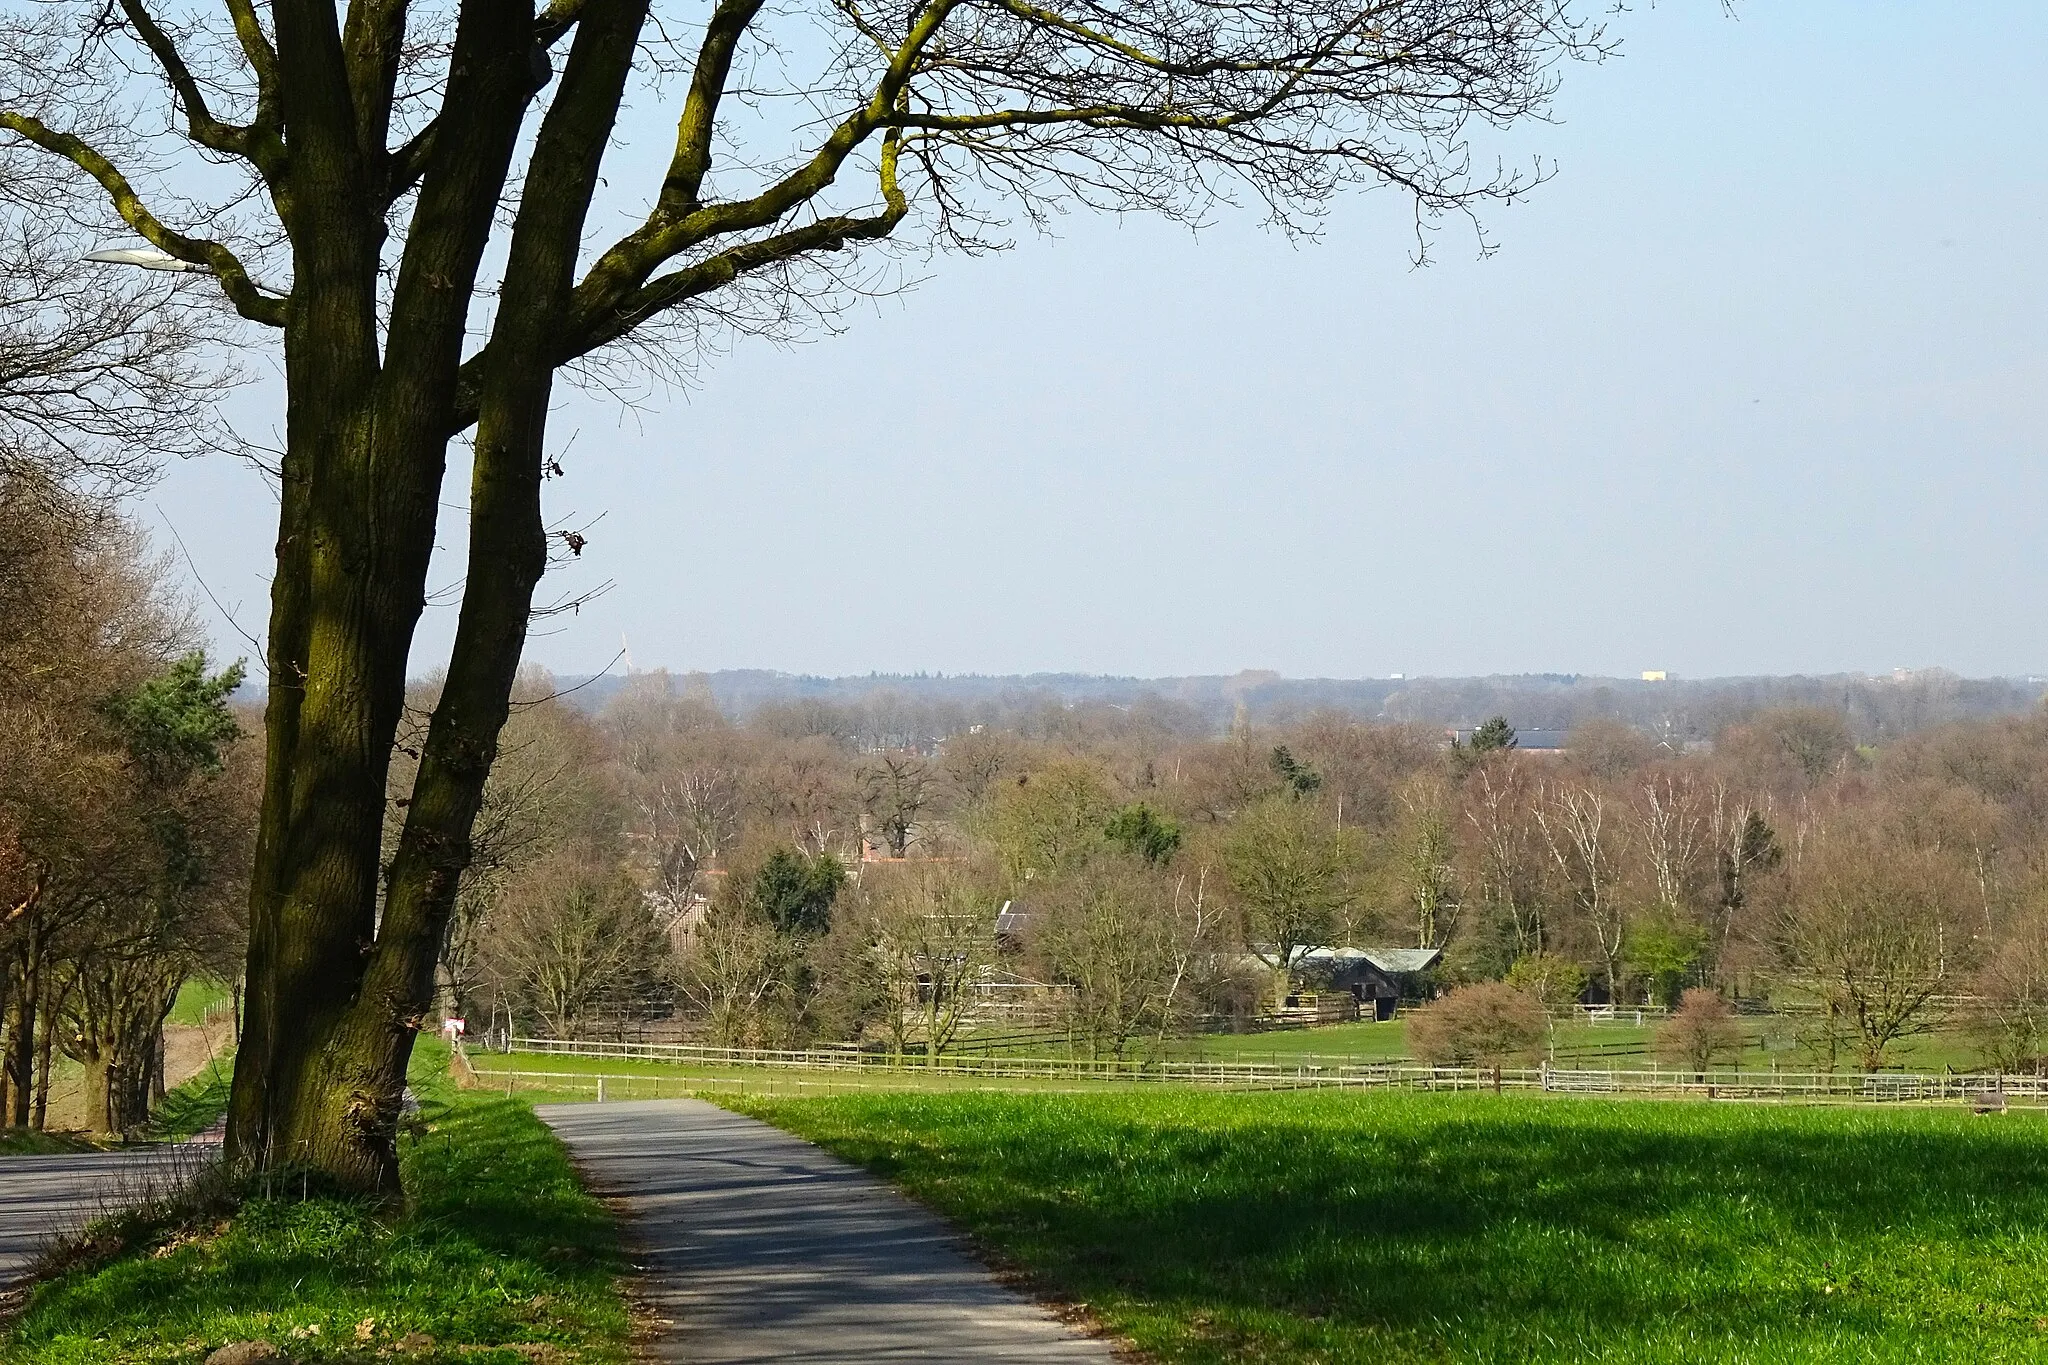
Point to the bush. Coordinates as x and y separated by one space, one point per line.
1490 1024
1701 1031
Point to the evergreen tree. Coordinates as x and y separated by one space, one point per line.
1144 832
794 893
1496 734
1301 779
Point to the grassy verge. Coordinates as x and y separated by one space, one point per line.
1399 1227
498 1258
29 1142
549 1078
196 1105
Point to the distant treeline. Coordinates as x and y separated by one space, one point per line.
892 710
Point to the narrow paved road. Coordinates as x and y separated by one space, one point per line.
759 1246
45 1197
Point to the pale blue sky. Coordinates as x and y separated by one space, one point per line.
1758 384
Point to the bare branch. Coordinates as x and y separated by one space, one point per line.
258 145
249 301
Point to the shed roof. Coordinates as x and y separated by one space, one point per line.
1404 959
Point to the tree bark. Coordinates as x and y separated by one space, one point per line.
21 1055
51 1011
326 1095
27 1020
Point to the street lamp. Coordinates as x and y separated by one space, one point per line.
149 258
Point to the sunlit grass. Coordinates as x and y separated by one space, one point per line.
499 1257
197 998
1332 1227
196 1105
32 1142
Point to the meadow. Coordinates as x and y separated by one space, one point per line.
1344 1227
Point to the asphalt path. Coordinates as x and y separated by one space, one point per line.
758 1246
43 1198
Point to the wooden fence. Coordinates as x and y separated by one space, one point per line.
1982 1091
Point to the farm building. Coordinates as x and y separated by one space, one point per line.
1379 978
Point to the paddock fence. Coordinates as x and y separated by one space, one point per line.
834 1069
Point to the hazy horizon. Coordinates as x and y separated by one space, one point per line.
1752 387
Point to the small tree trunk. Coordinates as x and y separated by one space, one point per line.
21 1053
42 1114
6 1046
98 1085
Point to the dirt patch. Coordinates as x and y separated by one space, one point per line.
190 1048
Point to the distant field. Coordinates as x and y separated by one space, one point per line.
1768 1041
1393 1228
195 999
630 1078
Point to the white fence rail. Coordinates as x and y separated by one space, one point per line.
1983 1091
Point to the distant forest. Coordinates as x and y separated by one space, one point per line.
910 710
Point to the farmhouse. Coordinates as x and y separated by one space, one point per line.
1377 978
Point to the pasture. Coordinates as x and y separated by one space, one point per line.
1399 1227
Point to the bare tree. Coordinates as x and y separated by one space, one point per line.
687 819
971 763
1122 937
109 842
1873 928
103 372
1700 1032
1291 872
1672 826
1429 860
892 795
933 931
1584 847
1486 1024
1746 850
1500 809
2009 1016
574 944
730 965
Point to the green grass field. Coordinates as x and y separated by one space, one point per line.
196 999
1768 1041
1329 1227
498 1259
551 1078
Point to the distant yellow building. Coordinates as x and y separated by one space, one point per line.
1656 675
